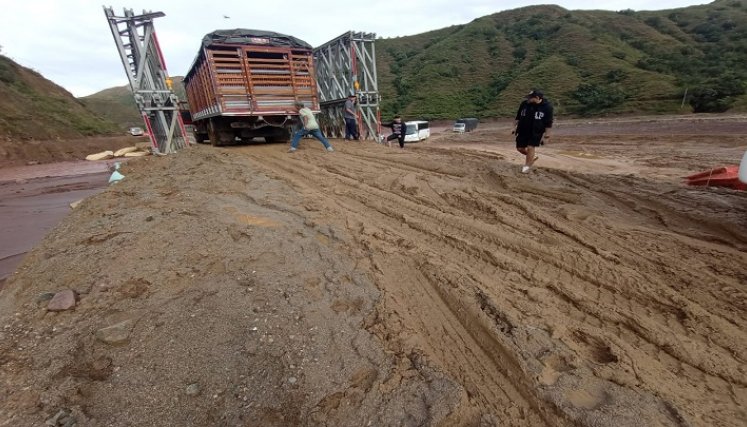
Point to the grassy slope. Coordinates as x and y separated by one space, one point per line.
118 105
32 107
483 68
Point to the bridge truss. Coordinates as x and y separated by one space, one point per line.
347 65
143 62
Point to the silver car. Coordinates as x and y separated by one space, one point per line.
136 131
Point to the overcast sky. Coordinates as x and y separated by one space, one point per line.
69 41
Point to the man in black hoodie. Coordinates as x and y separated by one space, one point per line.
399 129
532 126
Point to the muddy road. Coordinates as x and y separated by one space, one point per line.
33 200
434 285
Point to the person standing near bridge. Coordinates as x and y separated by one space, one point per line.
310 127
532 126
351 124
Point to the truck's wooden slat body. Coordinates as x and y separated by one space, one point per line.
250 80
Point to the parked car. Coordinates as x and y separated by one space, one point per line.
136 131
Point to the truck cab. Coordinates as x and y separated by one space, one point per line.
465 125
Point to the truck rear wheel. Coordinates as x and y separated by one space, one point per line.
282 135
219 136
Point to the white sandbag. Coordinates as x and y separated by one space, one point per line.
137 154
122 151
100 156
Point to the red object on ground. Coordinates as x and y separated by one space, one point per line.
726 176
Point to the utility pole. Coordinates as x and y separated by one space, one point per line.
145 67
684 97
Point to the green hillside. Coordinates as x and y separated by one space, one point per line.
587 62
32 107
118 105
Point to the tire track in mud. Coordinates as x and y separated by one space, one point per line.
729 307
548 223
614 309
484 378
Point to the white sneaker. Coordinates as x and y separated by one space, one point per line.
330 148
292 150
525 169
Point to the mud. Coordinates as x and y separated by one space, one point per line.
434 285
33 199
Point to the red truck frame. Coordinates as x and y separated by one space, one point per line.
241 91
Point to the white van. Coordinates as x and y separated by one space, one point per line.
417 131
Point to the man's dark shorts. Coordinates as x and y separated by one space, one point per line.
525 141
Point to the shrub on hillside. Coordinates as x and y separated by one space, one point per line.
7 74
616 75
594 98
716 95
707 32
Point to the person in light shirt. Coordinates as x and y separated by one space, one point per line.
310 127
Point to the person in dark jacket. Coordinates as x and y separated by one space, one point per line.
350 115
532 126
399 128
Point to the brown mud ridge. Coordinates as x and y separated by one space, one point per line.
374 286
22 152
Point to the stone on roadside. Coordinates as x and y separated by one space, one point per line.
61 301
76 203
61 419
193 389
44 297
117 334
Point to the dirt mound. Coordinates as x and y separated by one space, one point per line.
371 286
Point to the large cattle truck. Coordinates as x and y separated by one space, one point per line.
243 84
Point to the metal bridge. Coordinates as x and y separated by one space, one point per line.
143 62
347 65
